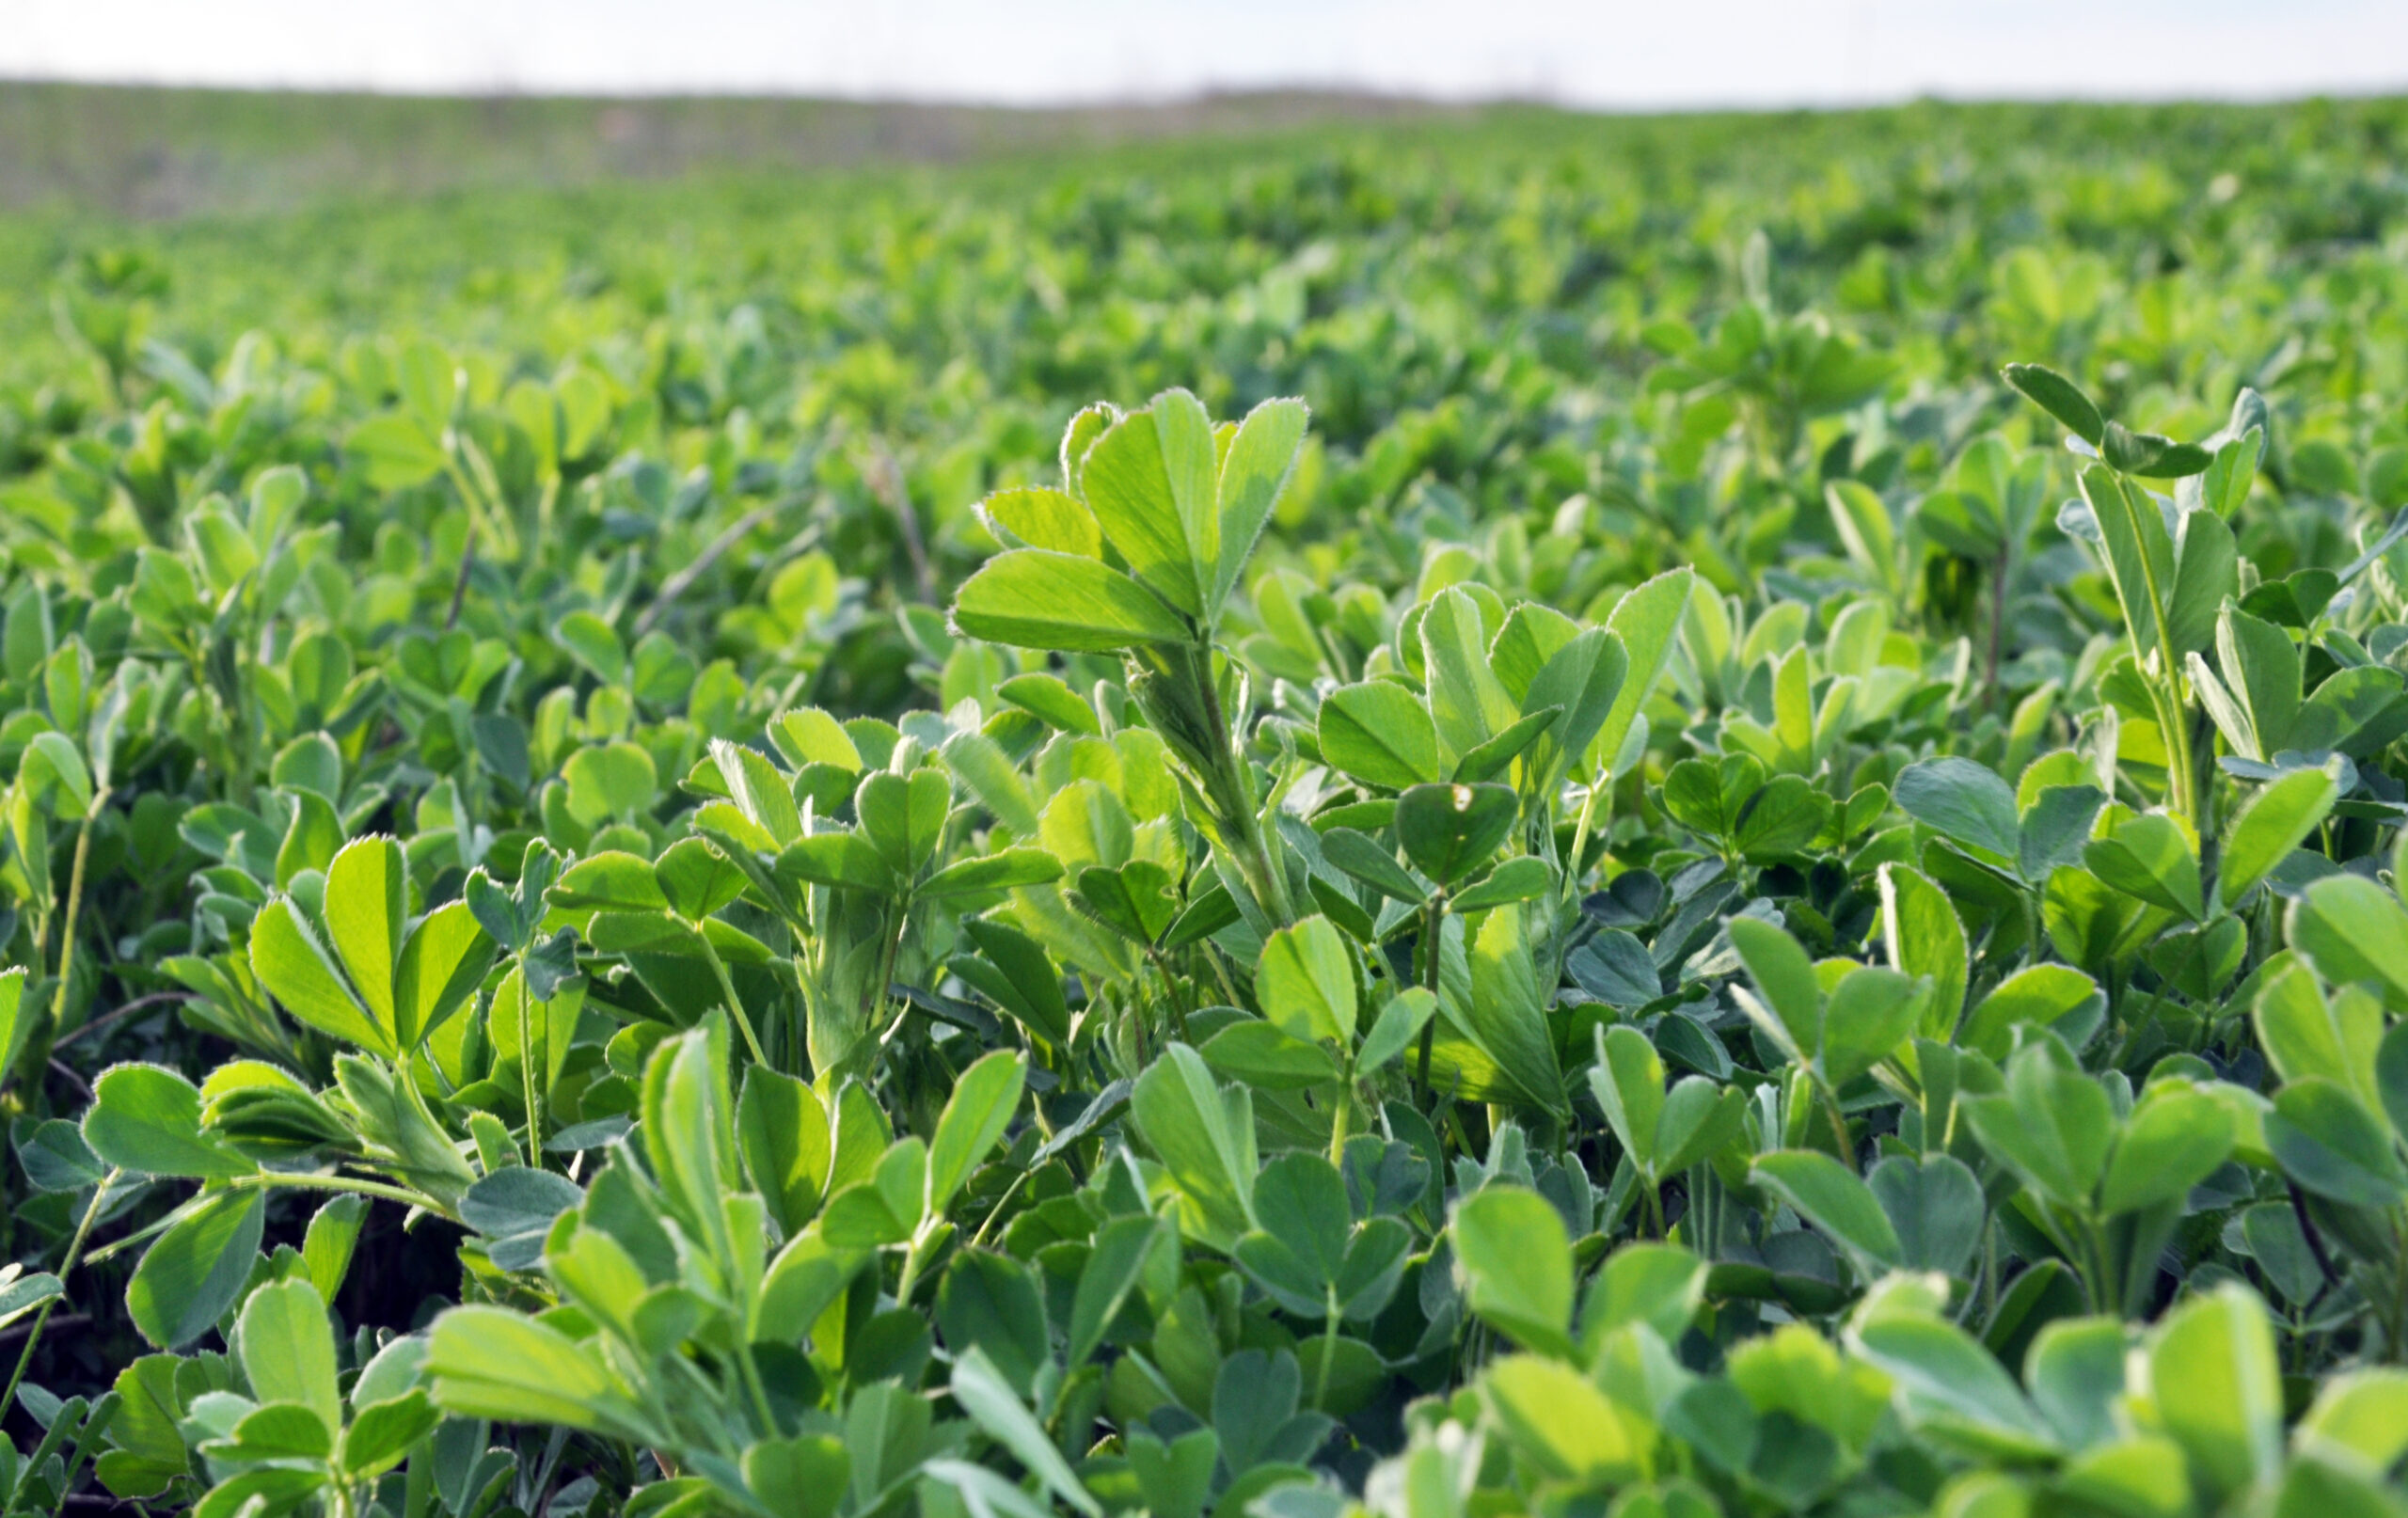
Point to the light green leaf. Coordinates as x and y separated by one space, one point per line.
1037 598
1829 1195
367 887
1517 1258
1307 982
1379 732
975 1116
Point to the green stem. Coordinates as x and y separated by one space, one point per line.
754 1387
1328 1353
310 1181
527 1056
1831 1104
65 1268
911 1276
997 1210
727 991
1432 934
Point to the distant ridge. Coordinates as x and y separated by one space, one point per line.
149 153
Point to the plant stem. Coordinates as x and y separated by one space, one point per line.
1998 624
727 991
311 1181
1831 1104
752 1385
1431 936
74 910
526 1059
1328 1353
65 1268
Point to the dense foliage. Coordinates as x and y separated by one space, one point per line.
1642 884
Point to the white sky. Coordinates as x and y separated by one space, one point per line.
1602 52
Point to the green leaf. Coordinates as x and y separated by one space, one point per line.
903 817
2052 1125
145 1118
2060 398
286 957
493 1363
1013 972
1036 598
442 963
981 1391
975 1116
696 879
1299 1247
610 781
782 1136
1032 517
2328 1142
1516 1260
1659 1285
1927 938
843 859
384 1434
1149 480
1584 678
1204 1134
2139 553
1307 982
1468 703
2175 1139
193 1272
1114 1266
2038 996
2206 578
328 1246
1788 1003
1945 1380
1503 1016
1450 830
1628 1083
287 1349
1394 1030
1366 861
2261 666
2355 932
608 881
2217 1386
991 1301
2150 858
1827 1195
590 641
1379 732
1260 460
2276 821
1007 870
367 886
1937 1208
52 761
1557 1421
1523 877
1964 801
801 1476
1646 620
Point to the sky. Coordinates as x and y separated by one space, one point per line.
1608 54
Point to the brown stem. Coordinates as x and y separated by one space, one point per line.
678 583
460 580
140 1003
